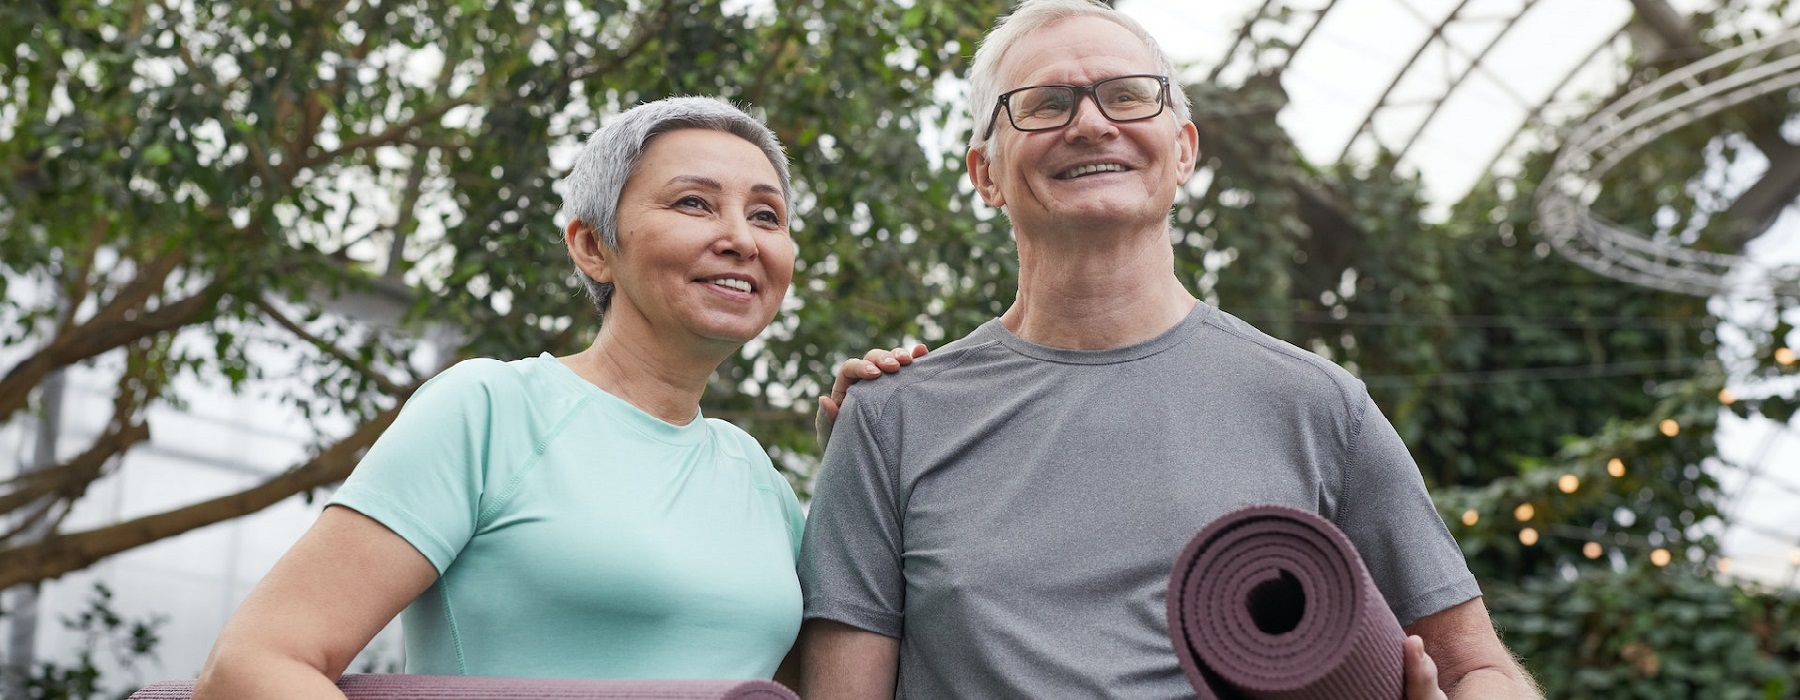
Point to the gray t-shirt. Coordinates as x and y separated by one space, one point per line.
1011 511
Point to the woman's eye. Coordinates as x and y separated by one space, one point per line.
767 216
691 201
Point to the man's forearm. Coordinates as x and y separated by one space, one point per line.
1491 682
841 662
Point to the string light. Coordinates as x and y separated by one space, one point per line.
1568 483
1794 557
1615 467
1528 536
1659 557
1524 512
1669 427
1592 550
1726 397
1784 355
1470 517
1724 565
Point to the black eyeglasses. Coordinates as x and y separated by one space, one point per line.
1127 98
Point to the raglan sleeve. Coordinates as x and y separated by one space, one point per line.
424 477
850 556
1389 516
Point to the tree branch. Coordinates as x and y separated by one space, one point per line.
60 554
645 32
381 381
393 134
98 335
66 483
70 479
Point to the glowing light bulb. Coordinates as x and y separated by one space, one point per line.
1724 565
1659 557
1784 356
1470 517
1524 512
1592 550
1669 427
1615 467
1528 536
1568 483
1726 397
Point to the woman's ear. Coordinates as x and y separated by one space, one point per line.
590 255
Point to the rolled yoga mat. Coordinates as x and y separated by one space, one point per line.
400 686
1273 602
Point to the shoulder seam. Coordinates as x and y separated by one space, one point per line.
1312 361
537 453
887 458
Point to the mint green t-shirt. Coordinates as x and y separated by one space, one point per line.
577 536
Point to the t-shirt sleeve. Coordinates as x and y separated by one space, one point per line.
850 566
424 477
1390 517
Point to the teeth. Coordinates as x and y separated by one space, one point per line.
739 285
1081 170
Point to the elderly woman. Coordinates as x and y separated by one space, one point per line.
576 516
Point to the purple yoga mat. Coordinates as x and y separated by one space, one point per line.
397 686
1273 602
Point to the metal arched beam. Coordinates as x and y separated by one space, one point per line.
1677 98
1381 102
1241 42
1475 64
1535 117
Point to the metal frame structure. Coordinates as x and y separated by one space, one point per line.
1634 120
1678 98
1308 19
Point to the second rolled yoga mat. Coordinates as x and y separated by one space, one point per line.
1274 602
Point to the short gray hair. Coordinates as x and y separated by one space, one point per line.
610 156
1032 15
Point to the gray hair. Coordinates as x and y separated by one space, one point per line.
611 155
1032 15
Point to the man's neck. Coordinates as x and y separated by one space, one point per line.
1098 293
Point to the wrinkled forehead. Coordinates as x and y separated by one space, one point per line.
1075 51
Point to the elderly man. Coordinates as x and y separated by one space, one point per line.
1000 520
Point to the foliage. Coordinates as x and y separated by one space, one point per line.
201 184
1643 632
190 187
1518 377
107 638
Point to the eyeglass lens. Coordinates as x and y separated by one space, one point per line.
1121 99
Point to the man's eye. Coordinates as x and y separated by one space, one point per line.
1050 105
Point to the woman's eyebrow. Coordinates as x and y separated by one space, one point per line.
711 184
696 180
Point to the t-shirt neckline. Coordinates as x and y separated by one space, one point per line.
637 418
1135 351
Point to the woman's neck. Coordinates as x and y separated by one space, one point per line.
661 381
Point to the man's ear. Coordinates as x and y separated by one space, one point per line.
1189 145
982 179
590 255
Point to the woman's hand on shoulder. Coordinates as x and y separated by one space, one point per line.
870 366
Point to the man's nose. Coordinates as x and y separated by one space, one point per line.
1088 120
